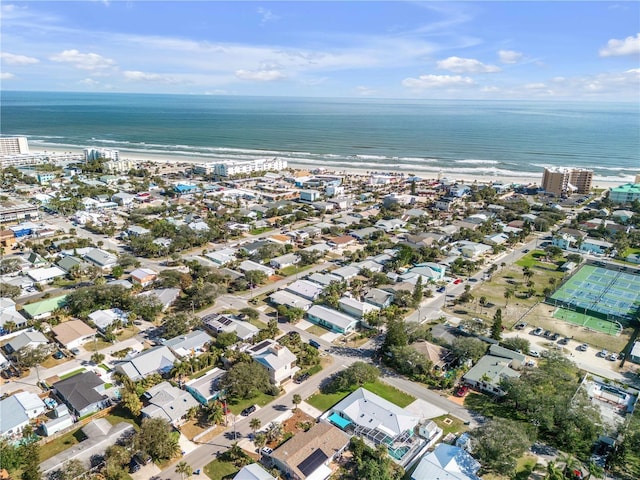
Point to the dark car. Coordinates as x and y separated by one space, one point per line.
58 355
314 344
134 466
442 289
564 341
555 336
302 378
142 458
248 411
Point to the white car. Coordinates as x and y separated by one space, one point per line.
266 451
534 353
613 357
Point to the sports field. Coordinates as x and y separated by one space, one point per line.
595 297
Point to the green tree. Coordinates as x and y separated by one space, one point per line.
226 339
274 432
255 277
31 462
184 469
516 344
255 424
250 313
417 292
464 349
117 271
97 358
496 328
215 413
498 445
132 402
156 439
245 379
260 440
508 293
297 400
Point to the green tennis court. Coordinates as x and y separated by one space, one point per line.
587 321
595 297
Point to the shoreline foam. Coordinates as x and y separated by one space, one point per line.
452 173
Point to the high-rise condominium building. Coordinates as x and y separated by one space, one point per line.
13 146
565 181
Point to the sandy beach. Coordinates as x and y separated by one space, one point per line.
424 173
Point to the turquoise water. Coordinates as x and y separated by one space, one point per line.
499 138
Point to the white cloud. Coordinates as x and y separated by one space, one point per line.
616 48
6 76
139 76
466 65
267 16
11 59
89 82
509 56
260 75
83 61
365 91
437 81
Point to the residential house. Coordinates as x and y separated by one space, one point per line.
363 234
346 273
634 355
356 308
496 239
199 226
137 231
284 261
472 249
439 356
391 225
105 260
594 245
155 360
323 279
222 257
168 403
82 393
488 373
447 462
249 265
17 411
73 333
305 289
103 319
332 319
44 308
9 314
190 344
144 276
341 242
46 275
365 414
379 298
279 361
283 297
206 388
218 323
71 263
27 339
253 471
309 195
123 199
308 454
368 265
166 296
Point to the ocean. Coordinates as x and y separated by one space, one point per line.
421 137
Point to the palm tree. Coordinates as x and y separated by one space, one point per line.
553 472
255 424
508 293
215 413
260 441
297 400
184 469
274 432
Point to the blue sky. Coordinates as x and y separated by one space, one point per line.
483 50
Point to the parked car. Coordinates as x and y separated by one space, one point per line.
266 451
583 347
534 353
441 289
461 391
134 466
555 336
564 341
547 333
248 411
613 357
457 281
521 326
537 332
603 353
302 378
75 351
58 355
142 458
314 344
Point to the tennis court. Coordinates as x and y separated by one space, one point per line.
596 296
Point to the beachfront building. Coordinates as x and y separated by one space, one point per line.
626 193
13 146
14 211
94 153
230 168
565 181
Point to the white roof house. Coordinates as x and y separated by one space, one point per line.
283 297
253 471
166 296
17 410
168 402
332 319
347 272
356 308
103 319
44 275
8 313
277 359
227 323
305 289
28 338
249 265
447 462
222 257
155 360
191 344
102 259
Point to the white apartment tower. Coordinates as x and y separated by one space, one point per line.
14 146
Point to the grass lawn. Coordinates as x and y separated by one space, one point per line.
261 400
217 470
97 345
258 231
324 401
317 330
531 259
630 251
293 269
127 333
450 424
120 414
258 323
71 374
52 362
60 444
